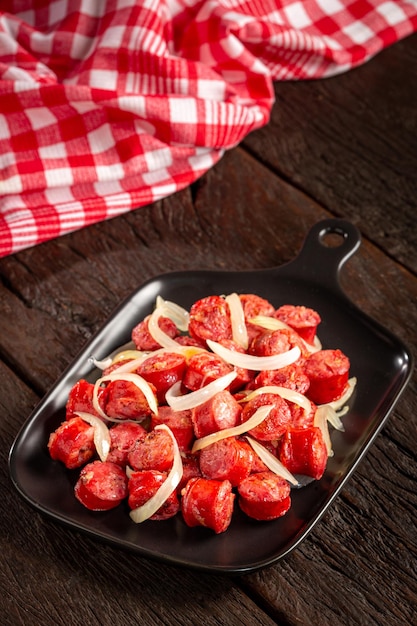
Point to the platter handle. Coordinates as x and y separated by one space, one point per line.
326 248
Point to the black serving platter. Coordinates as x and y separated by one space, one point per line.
381 363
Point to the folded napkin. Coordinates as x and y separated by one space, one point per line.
111 105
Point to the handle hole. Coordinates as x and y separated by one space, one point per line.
332 238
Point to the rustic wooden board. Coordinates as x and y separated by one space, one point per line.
350 143
52 298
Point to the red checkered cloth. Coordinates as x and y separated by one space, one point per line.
110 105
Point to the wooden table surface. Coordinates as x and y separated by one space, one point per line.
340 147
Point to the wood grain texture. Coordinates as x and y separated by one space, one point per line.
253 210
350 143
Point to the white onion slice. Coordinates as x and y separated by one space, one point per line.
336 409
137 380
237 317
341 412
272 323
169 485
267 322
332 417
271 461
157 333
175 312
317 345
256 363
101 364
257 418
133 358
130 366
127 355
195 398
320 420
287 394
133 365
102 440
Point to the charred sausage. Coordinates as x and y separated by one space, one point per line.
72 443
80 398
264 496
123 437
179 422
163 370
126 401
220 412
303 451
210 319
202 369
328 372
155 451
276 422
101 486
143 485
208 503
227 459
302 319
143 339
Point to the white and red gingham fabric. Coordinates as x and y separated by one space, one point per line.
109 105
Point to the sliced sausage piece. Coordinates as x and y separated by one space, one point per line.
264 496
328 371
253 306
163 370
276 422
179 422
303 451
210 319
301 419
72 443
202 369
220 412
301 318
291 377
126 401
192 342
190 469
80 398
143 339
155 451
276 342
143 485
227 459
101 486
208 503
123 437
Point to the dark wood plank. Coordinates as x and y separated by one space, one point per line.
240 215
350 143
